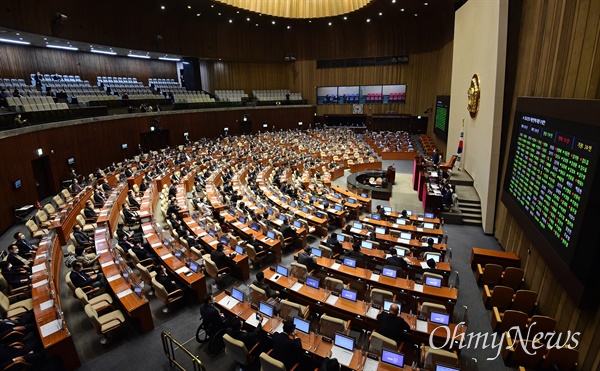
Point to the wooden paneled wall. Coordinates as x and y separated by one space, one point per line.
558 55
98 144
21 61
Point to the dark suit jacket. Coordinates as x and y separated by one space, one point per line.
167 282
396 261
130 217
81 238
392 326
133 201
287 231
81 279
309 261
220 259
210 315
289 351
14 260
248 338
265 286
89 213
25 247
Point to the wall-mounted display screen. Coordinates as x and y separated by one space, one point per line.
367 94
442 116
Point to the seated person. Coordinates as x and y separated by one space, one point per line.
131 217
288 231
167 281
210 314
142 252
17 260
82 279
25 248
380 210
330 364
88 211
248 338
14 277
356 253
287 347
88 260
219 257
98 198
305 257
133 202
252 241
75 187
187 236
391 325
81 238
261 284
395 260
429 247
333 243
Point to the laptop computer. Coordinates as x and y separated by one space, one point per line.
433 281
319 214
341 238
387 209
364 195
178 254
270 211
400 251
255 227
357 225
429 215
282 270
434 256
266 309
271 235
409 212
293 204
211 232
401 221
337 195
380 230
435 239
282 217
375 216
387 304
317 252
428 226
224 240
366 245
439 367
349 294
349 262
351 200
338 207
239 250
312 282
343 348
405 236
305 209
389 272
302 325
194 267
392 358
237 294
439 318
297 224
242 220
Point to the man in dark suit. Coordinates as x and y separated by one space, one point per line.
98 198
305 257
333 243
219 257
89 212
395 260
379 210
17 260
25 248
131 217
140 251
173 208
173 190
287 347
75 187
391 325
81 238
288 231
261 284
132 201
211 315
14 277
82 279
429 247
248 338
164 279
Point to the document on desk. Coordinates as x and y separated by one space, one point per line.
47 304
40 256
355 230
422 326
106 264
214 242
147 228
166 256
366 219
279 327
372 312
332 299
252 321
101 230
371 365
335 266
424 265
245 229
297 286
148 235
38 268
424 244
375 277
40 283
124 293
228 302
156 244
112 278
418 288
183 270
202 234
50 328
419 229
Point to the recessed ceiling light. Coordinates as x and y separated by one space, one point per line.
425 3
162 7
288 27
15 41
345 18
416 14
380 13
273 22
45 38
368 20
18 34
212 6
219 13
197 14
256 25
231 21
402 9
189 7
309 21
393 1
238 12
330 23
248 19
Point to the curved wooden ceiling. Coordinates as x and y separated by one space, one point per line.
299 9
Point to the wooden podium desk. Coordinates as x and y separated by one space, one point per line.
360 313
355 168
241 268
109 214
66 218
403 228
45 295
195 281
302 232
364 201
137 308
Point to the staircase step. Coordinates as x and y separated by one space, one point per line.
472 221
471 215
469 209
469 202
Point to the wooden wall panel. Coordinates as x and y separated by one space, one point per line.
98 144
21 61
558 56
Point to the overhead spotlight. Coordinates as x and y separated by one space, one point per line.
162 7
231 21
393 1
402 9
60 17
288 27
273 22
368 20
329 24
380 13
248 19
189 7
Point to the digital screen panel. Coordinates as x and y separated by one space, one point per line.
442 117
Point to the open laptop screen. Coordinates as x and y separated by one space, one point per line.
435 257
271 235
357 225
366 244
405 235
341 238
266 309
446 368
297 224
400 251
401 221
387 304
316 252
428 226
388 272
433 281
387 209
439 318
237 294
239 250
351 200
375 216
282 270
312 282
194 266
349 294
392 358
302 325
255 227
281 217
344 341
364 195
380 230
429 215
338 207
350 262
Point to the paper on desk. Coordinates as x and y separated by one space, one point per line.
147 235
40 283
106 264
112 278
228 302
371 365
424 243
355 230
38 268
101 230
332 299
124 293
202 234
245 229
374 277
166 256
421 326
372 312
366 219
418 288
214 242
419 229
335 266
252 321
183 269
156 244
401 240
40 256
47 304
279 327
424 265
297 286
50 328
147 228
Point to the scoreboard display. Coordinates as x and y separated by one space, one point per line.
442 116
550 184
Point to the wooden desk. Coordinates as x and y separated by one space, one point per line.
137 308
45 285
404 228
135 179
364 201
272 245
110 212
355 168
66 219
488 256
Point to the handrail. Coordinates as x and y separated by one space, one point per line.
168 341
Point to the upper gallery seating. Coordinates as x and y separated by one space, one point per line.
275 95
231 95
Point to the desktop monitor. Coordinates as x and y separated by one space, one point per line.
401 221
375 216
239 250
270 211
319 214
237 294
429 215
194 267
439 318
380 230
281 217
341 238
224 240
266 309
242 220
316 252
428 226
433 281
271 235
337 195
405 235
178 254
71 161
305 209
312 282
297 224
211 232
255 227
302 325
409 212
434 256
389 272
283 199
387 209
293 204
387 304
343 341
231 212
313 198
400 251
349 262
392 358
351 200
357 225
282 270
366 244
349 294
439 367
338 207
364 195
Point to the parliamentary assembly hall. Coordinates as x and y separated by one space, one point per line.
309 185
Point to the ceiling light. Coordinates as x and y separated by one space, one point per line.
162 7
212 6
189 7
231 21
380 13
393 1
14 41
273 22
329 23
219 13
103 52
345 18
402 9
138 56
309 21
425 3
248 19
62 47
169 59
368 20
256 25
197 14
288 27
416 14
